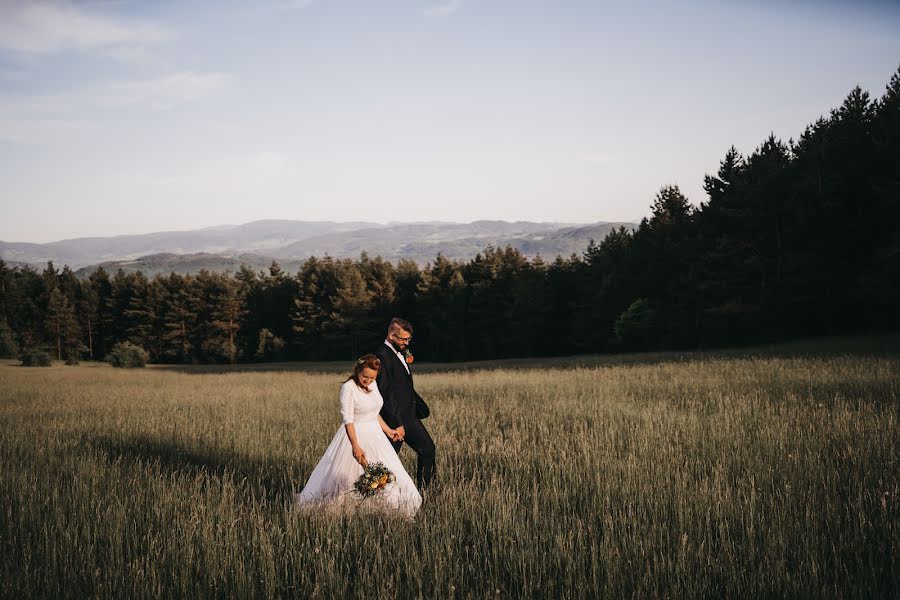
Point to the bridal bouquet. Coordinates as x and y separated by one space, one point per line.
374 477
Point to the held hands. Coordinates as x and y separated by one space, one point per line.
360 456
395 435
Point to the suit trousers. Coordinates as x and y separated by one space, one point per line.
420 441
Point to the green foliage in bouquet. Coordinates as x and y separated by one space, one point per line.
373 479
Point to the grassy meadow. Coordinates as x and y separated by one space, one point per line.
732 474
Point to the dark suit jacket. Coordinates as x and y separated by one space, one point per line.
396 387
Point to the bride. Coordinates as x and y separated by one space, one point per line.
363 438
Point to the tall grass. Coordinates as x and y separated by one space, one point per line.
721 476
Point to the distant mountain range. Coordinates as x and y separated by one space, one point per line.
258 243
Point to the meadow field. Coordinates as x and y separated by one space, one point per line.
731 474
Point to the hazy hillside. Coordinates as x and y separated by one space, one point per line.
257 236
423 241
291 242
189 263
547 243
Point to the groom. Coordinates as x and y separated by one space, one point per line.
395 382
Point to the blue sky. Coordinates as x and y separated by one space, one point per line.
131 117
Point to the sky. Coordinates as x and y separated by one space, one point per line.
121 117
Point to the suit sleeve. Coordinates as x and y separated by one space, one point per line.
389 409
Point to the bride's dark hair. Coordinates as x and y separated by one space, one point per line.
366 361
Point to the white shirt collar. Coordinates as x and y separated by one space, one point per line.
399 355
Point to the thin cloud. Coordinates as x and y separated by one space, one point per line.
42 28
46 118
163 92
444 10
595 158
242 172
292 4
40 131
275 8
261 161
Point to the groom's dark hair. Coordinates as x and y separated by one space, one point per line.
401 323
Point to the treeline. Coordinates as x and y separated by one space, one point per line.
799 238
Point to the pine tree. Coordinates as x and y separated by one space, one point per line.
180 318
606 291
101 334
441 325
350 327
407 278
880 285
254 302
381 287
143 315
87 305
62 324
668 270
5 276
564 278
227 308
312 306
274 295
269 346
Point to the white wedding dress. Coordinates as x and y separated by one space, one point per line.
330 485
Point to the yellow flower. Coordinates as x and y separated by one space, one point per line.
374 485
383 479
